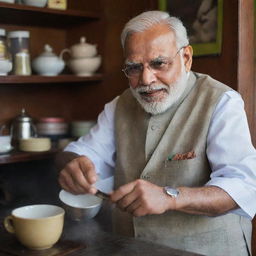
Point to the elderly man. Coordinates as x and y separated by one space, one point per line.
178 145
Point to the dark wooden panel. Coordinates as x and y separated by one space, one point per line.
39 80
245 74
224 66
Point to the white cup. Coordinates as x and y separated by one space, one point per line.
5 143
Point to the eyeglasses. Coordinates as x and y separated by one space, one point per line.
159 65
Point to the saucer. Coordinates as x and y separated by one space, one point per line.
4 151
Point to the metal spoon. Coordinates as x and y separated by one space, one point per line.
102 195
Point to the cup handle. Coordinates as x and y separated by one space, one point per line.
63 52
8 224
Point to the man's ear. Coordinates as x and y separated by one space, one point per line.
187 55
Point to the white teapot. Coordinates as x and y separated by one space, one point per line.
48 63
82 50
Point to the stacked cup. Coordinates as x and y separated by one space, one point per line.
84 59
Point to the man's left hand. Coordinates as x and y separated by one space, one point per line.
141 198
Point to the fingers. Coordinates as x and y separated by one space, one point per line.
122 191
88 170
128 198
134 208
78 176
125 202
141 198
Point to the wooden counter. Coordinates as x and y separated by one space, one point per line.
94 239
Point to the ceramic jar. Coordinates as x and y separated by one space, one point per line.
83 58
82 49
48 63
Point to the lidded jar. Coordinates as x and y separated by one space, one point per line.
5 63
82 49
19 47
3 45
48 63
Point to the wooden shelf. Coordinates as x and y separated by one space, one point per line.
36 79
16 157
28 15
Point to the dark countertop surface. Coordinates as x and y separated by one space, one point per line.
93 237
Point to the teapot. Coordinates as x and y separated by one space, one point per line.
82 50
48 63
22 127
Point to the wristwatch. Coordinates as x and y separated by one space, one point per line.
173 192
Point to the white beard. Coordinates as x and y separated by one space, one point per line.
173 94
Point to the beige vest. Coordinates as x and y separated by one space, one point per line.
144 145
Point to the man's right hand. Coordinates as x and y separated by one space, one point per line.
78 176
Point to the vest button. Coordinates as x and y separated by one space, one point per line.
153 127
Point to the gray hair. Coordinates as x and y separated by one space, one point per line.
147 19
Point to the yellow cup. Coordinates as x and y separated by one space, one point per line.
36 226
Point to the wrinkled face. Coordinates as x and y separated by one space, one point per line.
158 70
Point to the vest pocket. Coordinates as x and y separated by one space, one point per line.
189 172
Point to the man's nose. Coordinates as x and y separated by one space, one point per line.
147 76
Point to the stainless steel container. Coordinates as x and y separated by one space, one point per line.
22 128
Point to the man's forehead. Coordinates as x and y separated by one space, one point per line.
161 46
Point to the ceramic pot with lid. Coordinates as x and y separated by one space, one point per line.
22 127
84 60
48 63
82 49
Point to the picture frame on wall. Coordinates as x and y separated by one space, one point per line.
203 20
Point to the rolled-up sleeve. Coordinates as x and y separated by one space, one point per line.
99 143
231 154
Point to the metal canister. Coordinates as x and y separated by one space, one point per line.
22 128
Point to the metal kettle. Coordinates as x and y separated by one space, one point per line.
22 127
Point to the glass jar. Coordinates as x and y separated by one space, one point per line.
5 62
3 46
19 48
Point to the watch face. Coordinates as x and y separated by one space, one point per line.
171 191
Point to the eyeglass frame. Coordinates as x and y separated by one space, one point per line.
150 68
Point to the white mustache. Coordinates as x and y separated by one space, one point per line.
148 89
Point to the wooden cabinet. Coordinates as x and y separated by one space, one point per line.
65 95
60 29
68 96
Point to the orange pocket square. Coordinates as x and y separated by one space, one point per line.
184 156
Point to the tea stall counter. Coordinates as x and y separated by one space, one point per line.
94 237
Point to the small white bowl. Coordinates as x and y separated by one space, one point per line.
8 1
37 3
5 67
5 143
84 66
81 128
80 207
